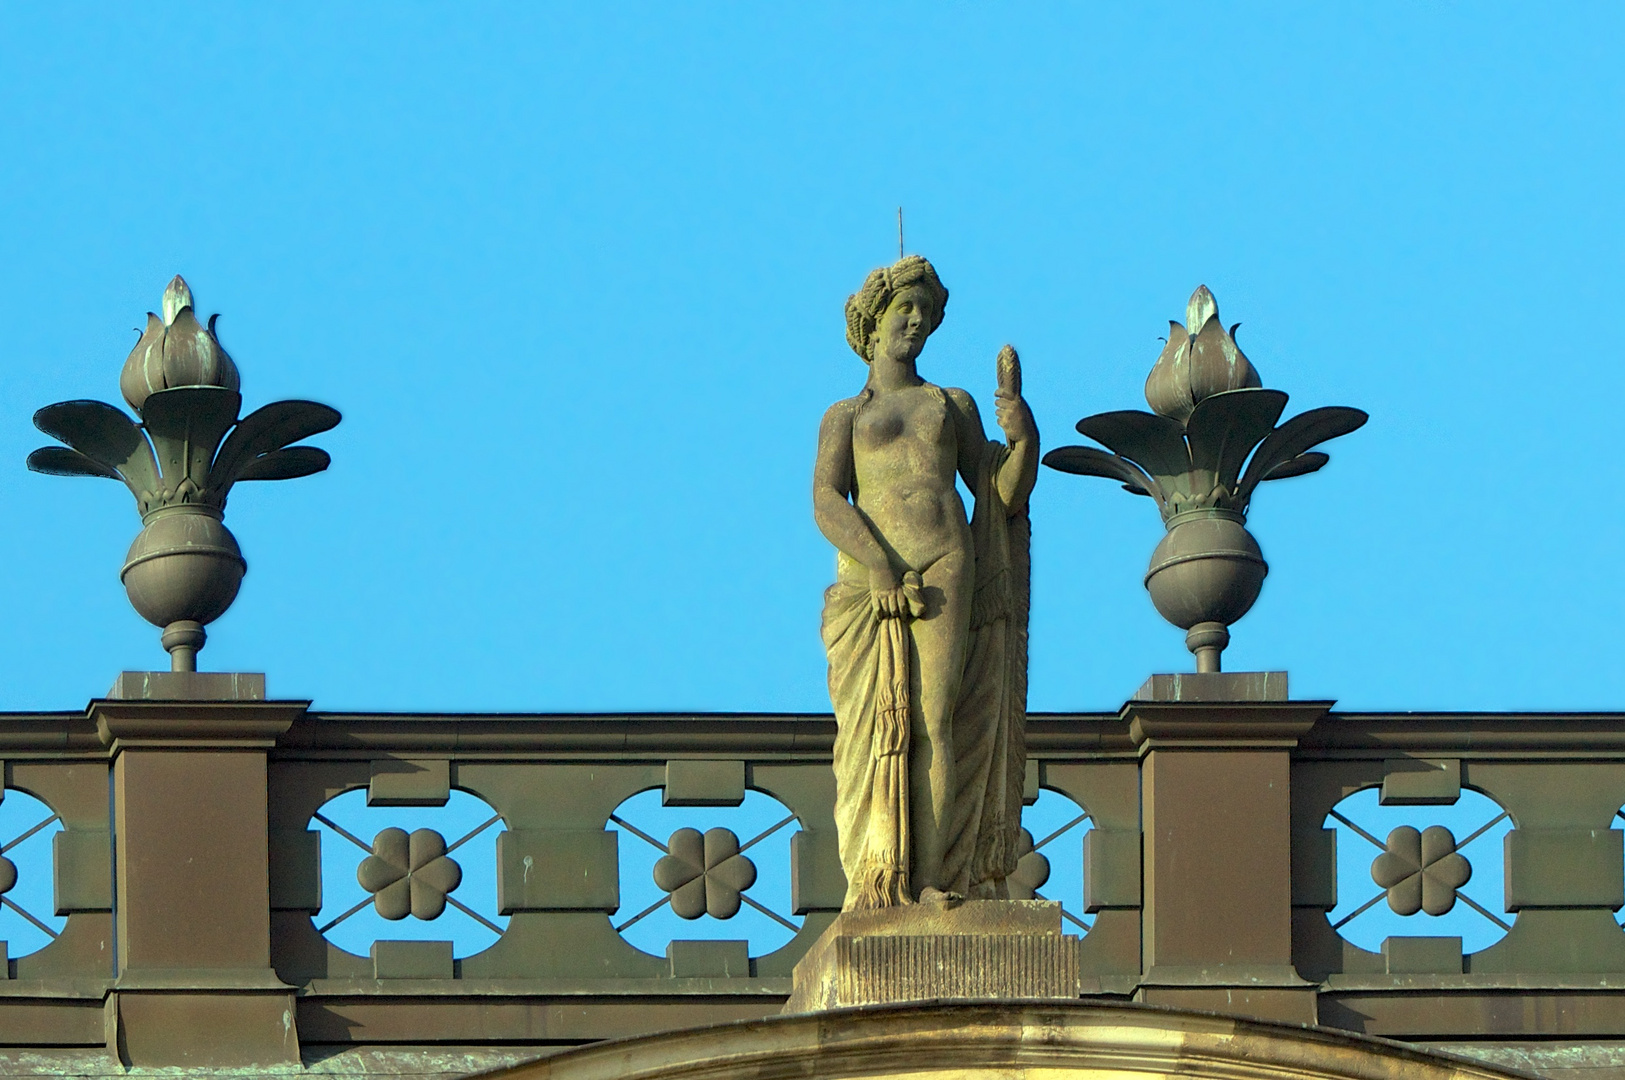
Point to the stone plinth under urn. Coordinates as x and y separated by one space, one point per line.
976 949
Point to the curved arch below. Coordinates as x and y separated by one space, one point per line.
1007 1041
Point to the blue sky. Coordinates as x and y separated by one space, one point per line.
574 275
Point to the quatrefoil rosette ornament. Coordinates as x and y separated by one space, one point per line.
1421 870
409 874
705 874
1032 869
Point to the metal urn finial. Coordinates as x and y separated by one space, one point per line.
180 462
1211 413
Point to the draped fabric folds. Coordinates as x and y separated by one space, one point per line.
870 661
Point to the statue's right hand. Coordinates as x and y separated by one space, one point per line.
884 591
893 599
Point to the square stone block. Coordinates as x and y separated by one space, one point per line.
1422 955
412 960
703 783
203 1029
1421 782
82 870
1111 869
817 882
296 870
1314 868
558 870
990 949
397 782
709 959
1564 868
1215 686
1286 1006
188 686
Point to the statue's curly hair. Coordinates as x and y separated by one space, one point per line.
864 307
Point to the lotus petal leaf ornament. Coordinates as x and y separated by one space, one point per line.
1201 359
1200 455
180 462
175 350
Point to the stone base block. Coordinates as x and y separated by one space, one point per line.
997 949
1281 1004
203 1028
188 686
1215 686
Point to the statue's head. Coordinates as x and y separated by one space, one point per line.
910 280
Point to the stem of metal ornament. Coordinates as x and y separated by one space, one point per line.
188 445
1214 435
183 639
1207 640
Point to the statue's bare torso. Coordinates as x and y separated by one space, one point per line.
884 494
905 454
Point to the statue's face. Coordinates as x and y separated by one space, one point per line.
905 324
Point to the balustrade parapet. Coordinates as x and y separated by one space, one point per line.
1464 733
122 724
1191 724
564 813
644 734
47 733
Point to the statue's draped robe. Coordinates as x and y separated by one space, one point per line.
870 662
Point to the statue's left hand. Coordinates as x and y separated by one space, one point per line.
1015 419
903 601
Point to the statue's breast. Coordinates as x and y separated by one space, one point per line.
918 415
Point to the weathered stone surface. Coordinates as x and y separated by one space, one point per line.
1422 955
1215 686
925 626
1560 1059
408 782
324 1061
1421 782
708 959
703 783
978 949
1005 1041
188 686
412 959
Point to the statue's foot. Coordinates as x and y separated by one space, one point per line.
933 895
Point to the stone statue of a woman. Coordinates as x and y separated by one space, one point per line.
926 624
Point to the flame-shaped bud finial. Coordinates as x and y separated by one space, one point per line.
176 350
177 295
1201 359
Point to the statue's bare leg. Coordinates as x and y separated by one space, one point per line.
939 654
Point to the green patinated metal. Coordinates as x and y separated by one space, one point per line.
180 462
1211 441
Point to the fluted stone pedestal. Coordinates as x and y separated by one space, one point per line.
978 949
